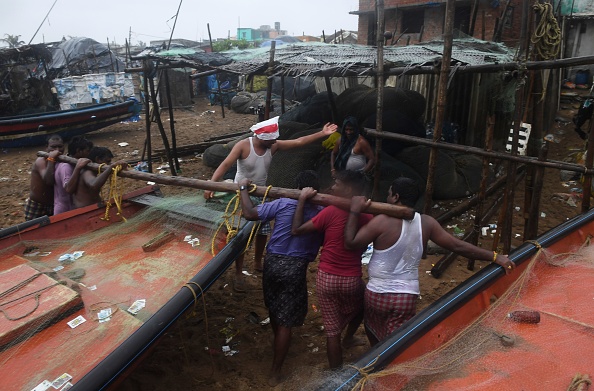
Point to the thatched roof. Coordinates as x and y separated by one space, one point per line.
24 55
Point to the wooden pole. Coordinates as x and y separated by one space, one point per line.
480 152
147 112
441 100
218 81
401 212
379 10
473 14
269 80
483 187
110 57
324 36
282 94
171 120
157 116
484 19
333 110
531 228
587 188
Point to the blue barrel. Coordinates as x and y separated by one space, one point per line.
582 76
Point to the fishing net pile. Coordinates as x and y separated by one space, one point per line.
538 335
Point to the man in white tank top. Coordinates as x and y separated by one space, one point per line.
253 156
393 288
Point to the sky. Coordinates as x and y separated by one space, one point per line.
154 19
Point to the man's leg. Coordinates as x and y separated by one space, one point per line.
282 341
238 283
349 339
371 337
259 251
334 351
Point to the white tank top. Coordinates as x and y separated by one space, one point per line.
356 162
254 167
396 269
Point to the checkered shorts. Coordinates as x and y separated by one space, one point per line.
34 209
340 299
385 312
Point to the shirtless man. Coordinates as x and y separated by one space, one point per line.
66 175
393 288
88 190
41 196
351 151
253 156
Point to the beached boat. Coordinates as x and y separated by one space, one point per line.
476 338
32 129
82 298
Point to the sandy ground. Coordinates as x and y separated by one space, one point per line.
180 361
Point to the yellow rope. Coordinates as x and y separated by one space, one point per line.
547 34
189 286
235 216
115 192
578 380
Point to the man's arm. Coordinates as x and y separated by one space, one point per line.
354 239
368 153
333 156
298 227
94 183
283 145
443 239
233 156
72 182
249 211
47 172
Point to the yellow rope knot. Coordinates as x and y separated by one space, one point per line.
115 192
365 373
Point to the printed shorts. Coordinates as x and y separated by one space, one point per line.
340 299
385 312
285 288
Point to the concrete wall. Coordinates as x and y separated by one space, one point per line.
579 42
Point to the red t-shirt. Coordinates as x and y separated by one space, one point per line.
335 259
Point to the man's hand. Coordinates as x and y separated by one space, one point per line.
54 154
307 193
82 162
208 194
359 204
121 163
504 261
244 182
329 128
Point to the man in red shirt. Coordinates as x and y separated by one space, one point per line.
339 287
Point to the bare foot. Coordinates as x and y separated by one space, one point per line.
353 341
239 284
274 380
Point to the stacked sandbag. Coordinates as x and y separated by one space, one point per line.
314 110
456 175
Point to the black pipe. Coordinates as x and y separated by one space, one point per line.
41 221
386 351
118 361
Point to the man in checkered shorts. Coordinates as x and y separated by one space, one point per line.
393 288
339 286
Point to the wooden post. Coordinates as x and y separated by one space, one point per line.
217 75
323 36
531 229
483 187
331 99
379 4
483 32
473 13
587 188
171 120
110 57
269 80
147 111
283 94
157 115
441 100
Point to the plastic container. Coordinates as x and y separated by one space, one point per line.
582 76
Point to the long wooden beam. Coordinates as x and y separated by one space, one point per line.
400 212
481 152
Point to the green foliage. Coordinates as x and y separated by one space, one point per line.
227 44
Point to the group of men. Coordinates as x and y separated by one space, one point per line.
389 299
58 187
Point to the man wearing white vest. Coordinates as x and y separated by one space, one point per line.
253 156
393 288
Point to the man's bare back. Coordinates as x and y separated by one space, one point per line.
42 173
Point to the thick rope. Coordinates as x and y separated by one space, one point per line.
115 193
194 313
547 34
578 380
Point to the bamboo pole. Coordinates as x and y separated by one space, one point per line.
379 10
401 212
531 228
441 100
269 80
481 152
473 14
147 121
218 81
483 188
171 121
587 188
157 116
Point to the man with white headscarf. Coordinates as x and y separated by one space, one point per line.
253 156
